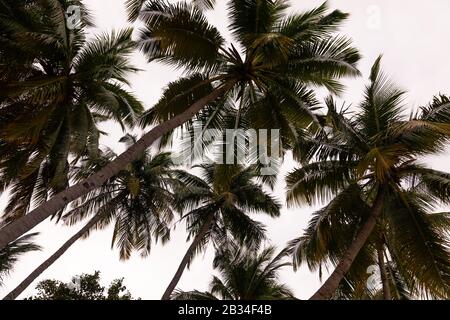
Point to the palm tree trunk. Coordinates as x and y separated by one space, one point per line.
16 229
332 283
187 257
383 273
47 263
391 275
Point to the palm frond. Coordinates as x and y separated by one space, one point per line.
180 35
12 253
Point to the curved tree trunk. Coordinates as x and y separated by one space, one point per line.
332 283
19 227
52 259
383 273
187 257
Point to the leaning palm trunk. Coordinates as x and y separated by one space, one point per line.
187 257
52 259
332 283
59 201
383 272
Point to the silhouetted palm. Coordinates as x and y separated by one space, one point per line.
400 273
217 206
11 254
366 161
137 201
245 274
275 59
56 88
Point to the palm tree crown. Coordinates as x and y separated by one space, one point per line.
245 274
11 254
138 200
369 159
56 87
273 60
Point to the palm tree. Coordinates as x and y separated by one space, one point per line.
375 152
11 253
246 274
374 287
217 206
274 56
400 275
56 88
137 201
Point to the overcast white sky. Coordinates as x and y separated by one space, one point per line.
413 37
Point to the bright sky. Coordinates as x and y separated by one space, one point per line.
413 37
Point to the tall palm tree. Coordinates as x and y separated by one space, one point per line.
245 274
400 263
217 206
376 150
137 201
11 253
275 55
56 88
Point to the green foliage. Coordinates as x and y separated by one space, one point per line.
229 194
56 88
348 162
245 274
82 287
10 255
137 201
274 60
